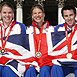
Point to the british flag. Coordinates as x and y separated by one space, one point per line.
17 53
21 50
59 51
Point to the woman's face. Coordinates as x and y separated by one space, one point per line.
7 14
38 15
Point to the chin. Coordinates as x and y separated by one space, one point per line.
70 25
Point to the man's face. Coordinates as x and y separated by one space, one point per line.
69 17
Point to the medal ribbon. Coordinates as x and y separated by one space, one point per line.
37 49
69 39
40 36
3 44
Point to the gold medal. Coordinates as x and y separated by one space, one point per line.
38 54
69 55
2 51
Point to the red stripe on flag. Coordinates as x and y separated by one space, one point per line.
47 59
13 51
4 60
62 45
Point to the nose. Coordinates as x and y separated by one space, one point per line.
37 14
69 17
7 14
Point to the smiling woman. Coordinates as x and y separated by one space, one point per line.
40 29
8 26
7 14
38 14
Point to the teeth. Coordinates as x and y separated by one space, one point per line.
38 18
7 18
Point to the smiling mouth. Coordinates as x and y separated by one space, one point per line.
70 22
8 18
38 18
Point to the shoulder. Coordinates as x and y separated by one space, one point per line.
22 26
29 27
59 27
51 28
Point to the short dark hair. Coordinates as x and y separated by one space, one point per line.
7 4
68 7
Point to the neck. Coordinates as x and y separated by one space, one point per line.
40 24
5 25
70 26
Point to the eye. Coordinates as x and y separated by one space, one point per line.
4 12
40 13
34 13
65 15
71 14
10 12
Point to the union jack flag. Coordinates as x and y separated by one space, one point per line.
21 50
17 50
59 50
